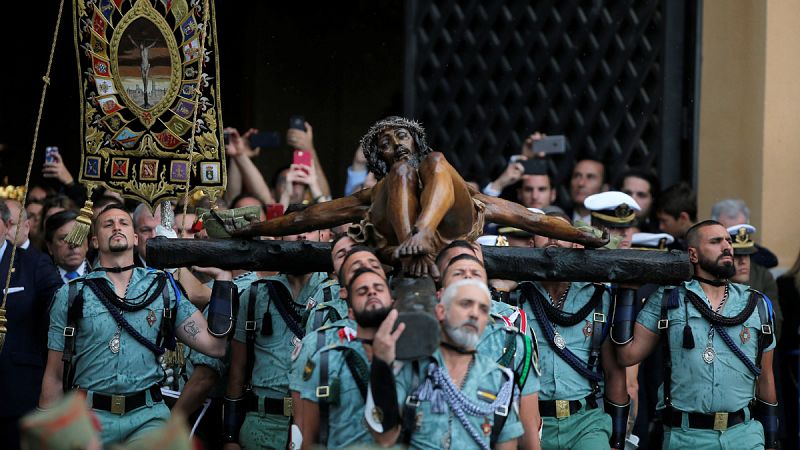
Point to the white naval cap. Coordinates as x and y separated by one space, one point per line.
612 208
492 240
736 229
652 240
742 241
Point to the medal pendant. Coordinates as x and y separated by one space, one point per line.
151 318
709 354
559 341
113 344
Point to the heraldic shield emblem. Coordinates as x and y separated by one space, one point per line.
148 73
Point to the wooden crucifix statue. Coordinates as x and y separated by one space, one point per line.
419 205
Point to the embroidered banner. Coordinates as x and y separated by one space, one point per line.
146 75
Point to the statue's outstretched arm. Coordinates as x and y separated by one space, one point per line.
512 214
316 217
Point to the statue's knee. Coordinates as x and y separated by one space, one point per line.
403 170
433 160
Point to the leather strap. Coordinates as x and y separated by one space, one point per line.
106 402
74 314
702 421
547 408
324 404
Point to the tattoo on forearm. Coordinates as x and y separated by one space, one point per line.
191 329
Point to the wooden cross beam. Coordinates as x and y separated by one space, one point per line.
511 263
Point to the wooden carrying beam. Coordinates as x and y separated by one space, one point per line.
511 263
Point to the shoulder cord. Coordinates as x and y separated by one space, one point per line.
358 369
103 290
117 315
565 319
460 404
536 301
719 319
288 314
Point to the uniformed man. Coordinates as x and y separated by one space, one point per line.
506 341
358 257
108 329
325 306
571 319
334 379
616 212
717 341
457 398
268 334
754 275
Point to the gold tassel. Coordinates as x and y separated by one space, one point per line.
82 225
3 329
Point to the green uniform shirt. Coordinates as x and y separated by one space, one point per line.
558 380
325 309
310 345
346 423
270 376
496 340
134 368
444 431
724 385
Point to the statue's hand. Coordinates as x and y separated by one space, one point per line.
224 224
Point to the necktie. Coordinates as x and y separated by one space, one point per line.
71 275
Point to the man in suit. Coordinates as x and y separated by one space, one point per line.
34 280
70 261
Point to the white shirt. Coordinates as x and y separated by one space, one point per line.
81 271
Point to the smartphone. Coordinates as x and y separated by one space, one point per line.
535 166
274 210
550 145
226 137
302 157
49 154
265 139
297 123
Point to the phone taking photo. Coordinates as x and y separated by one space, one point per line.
49 154
265 140
297 123
301 158
550 145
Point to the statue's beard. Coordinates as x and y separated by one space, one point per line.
371 318
722 271
461 336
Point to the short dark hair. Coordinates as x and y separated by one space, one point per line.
57 221
694 230
354 250
676 199
461 257
109 207
356 275
458 243
5 213
644 174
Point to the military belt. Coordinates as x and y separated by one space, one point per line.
720 421
276 406
565 408
121 404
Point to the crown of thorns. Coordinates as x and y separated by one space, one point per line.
369 142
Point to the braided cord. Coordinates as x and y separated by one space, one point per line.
563 318
103 290
462 406
117 315
736 350
719 319
565 353
290 317
46 80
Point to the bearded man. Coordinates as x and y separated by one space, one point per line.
717 344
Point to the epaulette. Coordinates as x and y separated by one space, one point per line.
331 326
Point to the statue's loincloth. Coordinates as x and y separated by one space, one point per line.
367 234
